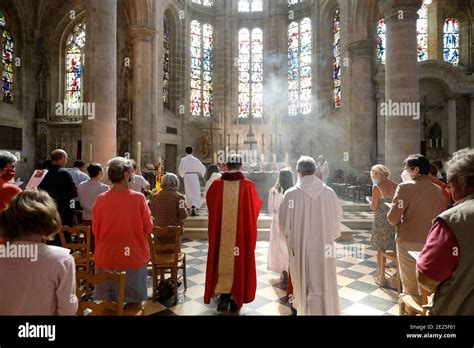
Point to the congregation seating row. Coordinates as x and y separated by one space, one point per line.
166 258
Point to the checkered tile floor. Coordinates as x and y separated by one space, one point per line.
356 265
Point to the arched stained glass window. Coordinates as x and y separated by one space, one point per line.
6 40
166 60
451 40
381 41
207 3
251 73
293 2
299 67
202 65
337 61
422 32
75 47
250 5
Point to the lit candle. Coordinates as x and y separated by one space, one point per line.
139 155
274 158
431 143
90 152
287 158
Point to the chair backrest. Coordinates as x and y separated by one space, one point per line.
103 307
164 241
81 236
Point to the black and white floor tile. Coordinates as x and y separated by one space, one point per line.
356 265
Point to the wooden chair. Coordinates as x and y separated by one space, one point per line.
415 305
391 256
99 308
80 245
166 256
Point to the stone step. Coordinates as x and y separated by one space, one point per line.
202 220
358 224
263 234
200 233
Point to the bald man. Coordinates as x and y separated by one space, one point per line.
60 185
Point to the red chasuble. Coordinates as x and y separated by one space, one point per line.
234 206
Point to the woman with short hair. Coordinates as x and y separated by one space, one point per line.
40 281
121 220
168 206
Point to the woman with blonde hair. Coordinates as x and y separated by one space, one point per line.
383 234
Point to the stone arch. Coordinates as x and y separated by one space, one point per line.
443 73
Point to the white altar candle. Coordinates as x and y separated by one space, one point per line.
287 158
139 155
90 152
431 143
442 143
262 158
274 158
437 142
215 157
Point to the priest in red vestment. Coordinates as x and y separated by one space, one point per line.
234 206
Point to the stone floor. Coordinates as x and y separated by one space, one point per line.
356 265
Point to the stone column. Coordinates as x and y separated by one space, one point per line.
142 90
472 120
363 116
402 133
100 79
380 158
452 126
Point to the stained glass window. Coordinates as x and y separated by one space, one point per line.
202 61
250 73
381 41
422 32
250 5
451 40
299 67
6 69
166 61
75 47
337 61
207 3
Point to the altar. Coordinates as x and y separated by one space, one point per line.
264 182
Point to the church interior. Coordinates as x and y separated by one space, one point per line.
360 82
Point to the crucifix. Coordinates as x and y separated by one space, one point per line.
211 130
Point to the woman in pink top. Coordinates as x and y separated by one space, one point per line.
35 278
121 220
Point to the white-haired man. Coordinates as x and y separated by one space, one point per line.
310 219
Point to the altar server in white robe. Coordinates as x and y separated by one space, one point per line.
323 167
310 218
190 168
277 258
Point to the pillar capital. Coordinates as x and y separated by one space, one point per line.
400 9
363 48
141 33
